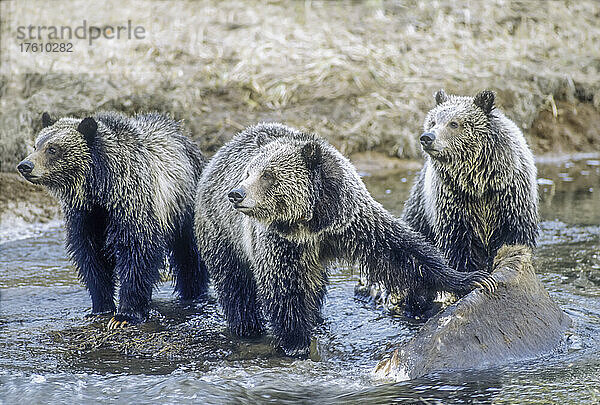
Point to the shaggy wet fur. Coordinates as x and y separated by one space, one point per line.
296 206
126 187
477 190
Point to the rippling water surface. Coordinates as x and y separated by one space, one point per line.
42 298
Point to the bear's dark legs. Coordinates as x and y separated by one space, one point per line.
292 291
138 266
236 289
100 284
189 270
99 280
85 243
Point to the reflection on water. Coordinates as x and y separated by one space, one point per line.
44 355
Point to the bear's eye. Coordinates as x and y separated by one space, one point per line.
431 124
51 150
267 176
454 124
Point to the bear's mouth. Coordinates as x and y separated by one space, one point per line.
431 151
31 178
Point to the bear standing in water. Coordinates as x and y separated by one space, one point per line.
126 187
274 207
477 190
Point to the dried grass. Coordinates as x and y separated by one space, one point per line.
360 74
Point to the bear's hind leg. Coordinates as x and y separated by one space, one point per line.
189 271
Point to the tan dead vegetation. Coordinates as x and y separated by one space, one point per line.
360 74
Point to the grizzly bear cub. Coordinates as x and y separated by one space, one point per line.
126 186
275 206
478 188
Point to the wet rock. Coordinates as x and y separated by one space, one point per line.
518 321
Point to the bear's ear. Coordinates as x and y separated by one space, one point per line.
311 152
46 120
88 128
262 138
440 96
485 100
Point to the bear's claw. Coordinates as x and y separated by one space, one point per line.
488 284
114 324
121 321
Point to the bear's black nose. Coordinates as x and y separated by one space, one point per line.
236 195
427 139
25 167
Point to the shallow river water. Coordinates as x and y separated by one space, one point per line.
41 297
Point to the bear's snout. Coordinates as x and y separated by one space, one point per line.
427 139
25 167
237 195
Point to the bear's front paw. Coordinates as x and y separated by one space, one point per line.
483 280
122 321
